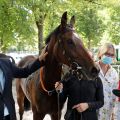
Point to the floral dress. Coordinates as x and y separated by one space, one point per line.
117 111
117 107
110 82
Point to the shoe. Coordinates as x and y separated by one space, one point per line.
116 92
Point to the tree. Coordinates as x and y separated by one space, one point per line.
23 21
12 19
90 25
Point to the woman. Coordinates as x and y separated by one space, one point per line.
84 97
109 77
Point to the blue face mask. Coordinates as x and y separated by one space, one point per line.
107 60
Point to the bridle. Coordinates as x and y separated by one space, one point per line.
75 68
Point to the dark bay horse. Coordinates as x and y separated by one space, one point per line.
64 47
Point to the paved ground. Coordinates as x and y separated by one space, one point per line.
28 115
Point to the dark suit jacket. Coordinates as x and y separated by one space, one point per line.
11 71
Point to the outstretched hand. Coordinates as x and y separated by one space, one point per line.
43 55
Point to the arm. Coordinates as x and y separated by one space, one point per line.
97 103
63 87
30 68
62 92
115 85
99 96
114 100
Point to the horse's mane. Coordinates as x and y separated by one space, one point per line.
54 32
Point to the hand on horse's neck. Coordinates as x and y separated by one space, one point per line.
104 67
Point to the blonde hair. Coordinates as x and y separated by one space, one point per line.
104 48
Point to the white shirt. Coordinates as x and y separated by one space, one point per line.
110 82
2 81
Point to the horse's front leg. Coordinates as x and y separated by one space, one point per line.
37 115
55 116
20 98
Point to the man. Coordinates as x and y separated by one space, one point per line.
8 71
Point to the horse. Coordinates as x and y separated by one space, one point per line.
2 55
64 46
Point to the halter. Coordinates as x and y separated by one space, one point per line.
74 66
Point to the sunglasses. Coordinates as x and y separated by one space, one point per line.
110 54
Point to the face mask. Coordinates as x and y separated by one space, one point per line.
107 60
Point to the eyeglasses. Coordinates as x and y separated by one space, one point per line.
110 54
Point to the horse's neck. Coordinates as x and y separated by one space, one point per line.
53 72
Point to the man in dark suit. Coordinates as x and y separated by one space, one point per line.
8 71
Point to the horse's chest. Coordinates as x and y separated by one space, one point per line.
47 103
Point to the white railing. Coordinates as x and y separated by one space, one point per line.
117 67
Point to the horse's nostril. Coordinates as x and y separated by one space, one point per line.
94 71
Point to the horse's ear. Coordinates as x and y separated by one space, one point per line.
72 21
64 19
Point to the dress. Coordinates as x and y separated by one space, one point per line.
110 82
81 91
117 106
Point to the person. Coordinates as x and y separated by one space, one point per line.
8 71
109 77
117 105
84 96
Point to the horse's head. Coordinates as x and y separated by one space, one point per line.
67 48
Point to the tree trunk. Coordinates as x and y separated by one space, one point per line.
89 43
39 24
1 44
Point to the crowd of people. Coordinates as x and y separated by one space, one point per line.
87 99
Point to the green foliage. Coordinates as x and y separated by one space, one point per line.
90 25
15 25
96 21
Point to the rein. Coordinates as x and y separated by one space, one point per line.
41 80
50 92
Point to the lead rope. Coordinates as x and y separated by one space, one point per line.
81 118
58 97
